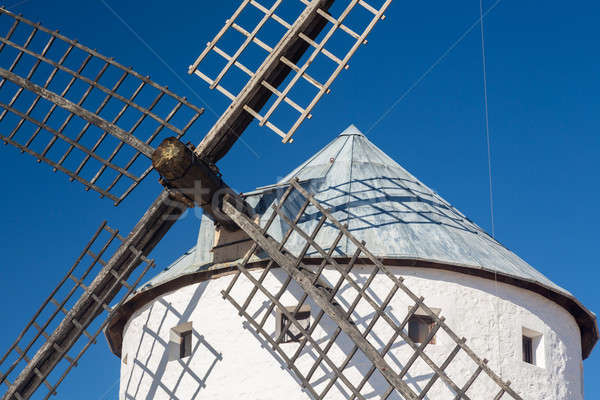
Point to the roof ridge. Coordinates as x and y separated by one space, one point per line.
296 171
349 215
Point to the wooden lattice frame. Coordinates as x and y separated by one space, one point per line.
62 311
41 106
299 70
311 281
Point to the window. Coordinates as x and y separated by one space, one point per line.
180 344
185 346
292 333
420 325
533 347
527 349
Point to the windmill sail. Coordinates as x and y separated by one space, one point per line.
321 30
342 290
63 325
81 112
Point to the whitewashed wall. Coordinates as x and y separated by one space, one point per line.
229 361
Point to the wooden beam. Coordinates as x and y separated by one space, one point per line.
191 180
71 107
270 246
255 95
155 223
398 281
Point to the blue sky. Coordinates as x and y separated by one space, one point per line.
542 66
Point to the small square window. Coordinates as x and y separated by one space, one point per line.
419 327
292 333
180 344
533 347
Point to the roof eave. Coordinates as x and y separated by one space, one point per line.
586 320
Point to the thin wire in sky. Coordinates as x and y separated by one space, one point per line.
487 121
110 390
18 4
432 66
489 158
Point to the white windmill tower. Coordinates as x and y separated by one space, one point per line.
326 268
178 339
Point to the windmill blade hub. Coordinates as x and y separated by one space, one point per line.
187 176
172 159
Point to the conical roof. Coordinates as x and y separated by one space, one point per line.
401 220
397 215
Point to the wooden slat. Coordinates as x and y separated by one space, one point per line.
387 348
478 361
365 334
283 241
254 95
274 345
444 365
320 47
332 311
211 44
94 84
470 381
324 298
272 15
289 316
248 40
55 53
145 235
331 296
353 49
81 112
269 49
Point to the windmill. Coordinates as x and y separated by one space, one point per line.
59 78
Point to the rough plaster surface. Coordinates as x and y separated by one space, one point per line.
231 361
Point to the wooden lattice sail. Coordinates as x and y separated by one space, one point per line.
278 86
81 112
62 329
355 315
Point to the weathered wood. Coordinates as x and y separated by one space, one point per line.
398 281
254 95
341 63
270 246
275 346
297 325
155 223
172 159
435 377
75 44
106 81
365 334
159 218
184 172
80 112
